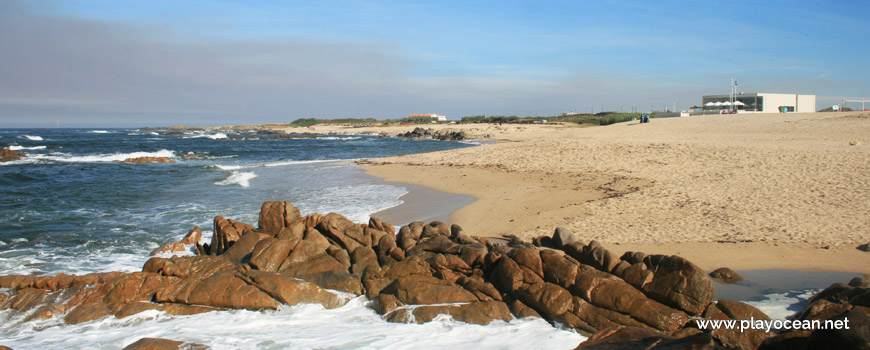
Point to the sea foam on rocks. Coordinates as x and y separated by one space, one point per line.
419 273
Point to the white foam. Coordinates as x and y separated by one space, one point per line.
97 158
20 148
238 178
781 306
216 136
345 138
19 240
99 132
304 326
273 164
32 138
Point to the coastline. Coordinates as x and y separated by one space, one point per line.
747 192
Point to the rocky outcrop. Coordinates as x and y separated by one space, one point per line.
192 238
8 155
726 275
140 160
412 275
443 134
832 306
163 344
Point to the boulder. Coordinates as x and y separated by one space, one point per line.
226 232
8 155
678 283
163 344
482 313
194 235
726 275
639 338
377 224
275 216
292 291
344 232
269 253
240 252
563 236
421 289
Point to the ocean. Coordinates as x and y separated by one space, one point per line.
70 206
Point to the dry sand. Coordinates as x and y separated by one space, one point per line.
744 191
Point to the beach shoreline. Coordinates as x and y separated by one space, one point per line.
748 192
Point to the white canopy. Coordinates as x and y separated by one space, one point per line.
717 104
726 103
710 104
738 103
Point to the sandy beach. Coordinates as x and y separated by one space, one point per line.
750 191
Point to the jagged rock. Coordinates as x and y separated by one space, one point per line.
275 216
421 289
377 224
520 310
291 291
678 283
240 251
226 232
482 313
434 229
8 155
193 236
641 339
269 253
148 160
609 292
726 275
339 229
563 236
163 344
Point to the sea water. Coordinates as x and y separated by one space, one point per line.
71 206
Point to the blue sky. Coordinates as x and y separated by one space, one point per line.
131 63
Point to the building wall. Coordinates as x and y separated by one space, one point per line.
772 102
806 103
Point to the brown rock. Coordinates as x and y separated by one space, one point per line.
548 299
291 291
363 258
726 275
148 160
520 310
240 252
8 155
609 292
639 338
269 253
226 232
481 313
163 344
529 258
274 216
421 289
377 224
347 234
434 229
678 283
563 236
559 269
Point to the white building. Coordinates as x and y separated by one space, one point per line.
762 102
436 117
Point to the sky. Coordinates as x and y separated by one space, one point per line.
110 63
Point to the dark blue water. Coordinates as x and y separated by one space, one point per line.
71 206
